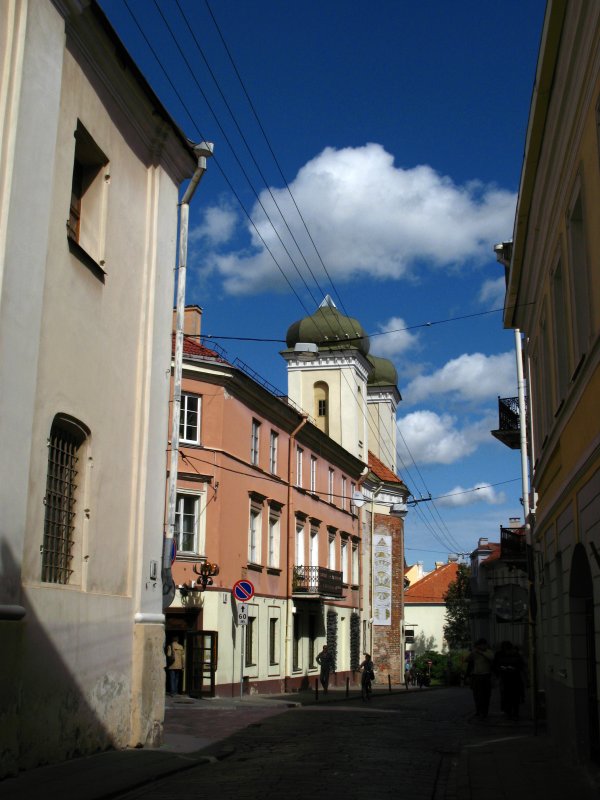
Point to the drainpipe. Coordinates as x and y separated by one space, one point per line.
372 580
203 151
288 572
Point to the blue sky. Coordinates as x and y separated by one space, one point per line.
399 129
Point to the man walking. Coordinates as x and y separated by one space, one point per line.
479 671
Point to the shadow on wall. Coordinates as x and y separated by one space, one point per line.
44 715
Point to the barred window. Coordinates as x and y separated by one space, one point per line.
64 445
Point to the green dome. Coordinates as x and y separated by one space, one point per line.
329 329
384 372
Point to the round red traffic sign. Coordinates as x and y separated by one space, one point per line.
243 590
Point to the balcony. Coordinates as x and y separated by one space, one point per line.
513 547
509 422
316 581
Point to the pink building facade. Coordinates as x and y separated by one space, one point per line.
266 495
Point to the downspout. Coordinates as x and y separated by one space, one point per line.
288 571
203 151
372 577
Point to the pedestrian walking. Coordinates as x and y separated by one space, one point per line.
175 656
368 676
325 661
509 666
479 672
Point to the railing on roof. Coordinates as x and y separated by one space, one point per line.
206 341
243 367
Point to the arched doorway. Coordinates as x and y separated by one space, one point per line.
583 653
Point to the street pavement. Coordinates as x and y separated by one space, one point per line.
418 744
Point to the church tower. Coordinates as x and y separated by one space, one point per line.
331 387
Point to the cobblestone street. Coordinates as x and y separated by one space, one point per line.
402 745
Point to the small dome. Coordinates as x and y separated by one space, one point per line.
384 372
329 329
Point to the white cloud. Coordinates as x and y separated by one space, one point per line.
369 218
470 377
492 293
396 341
435 438
217 226
481 492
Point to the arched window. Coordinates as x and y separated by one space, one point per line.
321 407
67 435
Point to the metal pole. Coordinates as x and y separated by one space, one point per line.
243 629
203 150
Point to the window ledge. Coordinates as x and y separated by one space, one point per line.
85 258
255 567
273 570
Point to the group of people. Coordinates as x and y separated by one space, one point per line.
326 662
508 666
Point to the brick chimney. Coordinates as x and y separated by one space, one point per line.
192 320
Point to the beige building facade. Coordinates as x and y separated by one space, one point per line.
89 173
553 297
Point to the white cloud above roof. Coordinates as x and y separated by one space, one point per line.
369 219
435 438
471 377
481 492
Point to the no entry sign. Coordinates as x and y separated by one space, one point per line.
243 590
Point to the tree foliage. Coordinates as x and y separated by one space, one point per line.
457 629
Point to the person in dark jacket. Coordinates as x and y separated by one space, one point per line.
325 661
509 667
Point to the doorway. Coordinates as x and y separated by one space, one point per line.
201 663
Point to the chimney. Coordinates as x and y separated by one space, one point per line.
419 570
514 522
438 564
191 321
483 542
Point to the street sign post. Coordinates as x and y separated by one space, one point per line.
242 614
243 590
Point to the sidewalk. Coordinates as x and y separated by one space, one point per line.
491 760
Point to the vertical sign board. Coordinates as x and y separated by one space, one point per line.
243 590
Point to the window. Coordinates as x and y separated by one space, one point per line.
344 561
314 547
296 643
299 544
331 552
254 441
321 405
64 447
312 638
313 474
274 536
273 642
299 455
273 452
561 341
87 212
355 573
250 643
186 523
344 492
330 486
578 268
254 534
189 420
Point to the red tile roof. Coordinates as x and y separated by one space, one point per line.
495 553
380 469
192 347
433 587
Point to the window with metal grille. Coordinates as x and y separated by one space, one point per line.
66 437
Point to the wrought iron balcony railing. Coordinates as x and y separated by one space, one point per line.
513 546
509 422
317 580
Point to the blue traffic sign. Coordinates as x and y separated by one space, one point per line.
243 590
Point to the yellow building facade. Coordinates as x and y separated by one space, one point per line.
553 298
